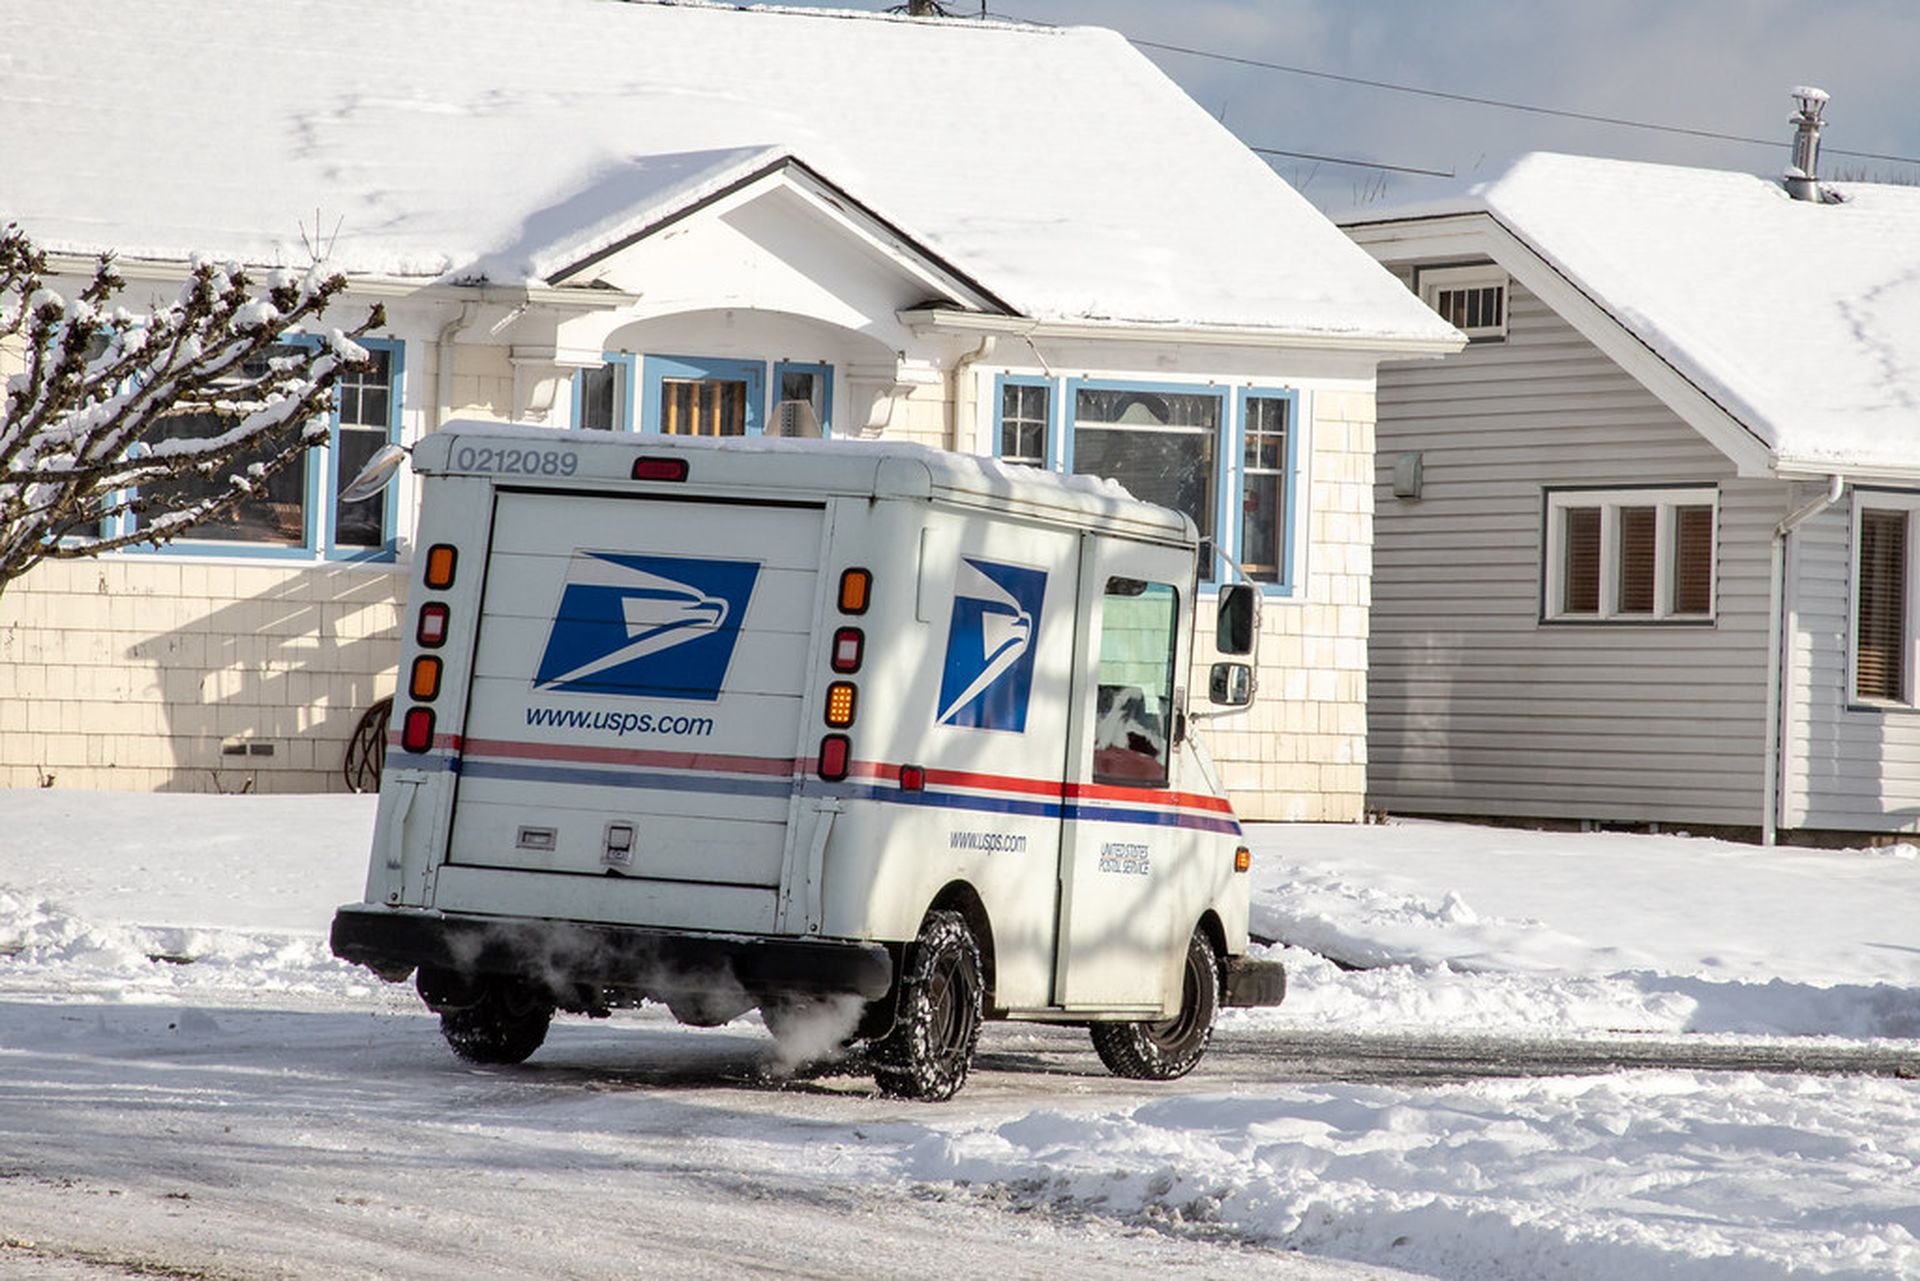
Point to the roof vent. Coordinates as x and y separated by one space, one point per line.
1803 173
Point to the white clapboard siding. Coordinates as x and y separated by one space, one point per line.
1849 767
1475 706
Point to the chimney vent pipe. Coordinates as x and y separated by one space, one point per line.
1803 173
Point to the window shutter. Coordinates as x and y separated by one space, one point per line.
1880 620
1638 526
1582 570
1693 560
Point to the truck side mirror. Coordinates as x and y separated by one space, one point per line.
1230 684
1239 622
376 475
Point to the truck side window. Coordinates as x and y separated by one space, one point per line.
1133 714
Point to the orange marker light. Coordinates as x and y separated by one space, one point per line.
856 588
840 696
1242 859
440 562
425 684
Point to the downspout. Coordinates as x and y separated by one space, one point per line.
1777 658
965 400
443 362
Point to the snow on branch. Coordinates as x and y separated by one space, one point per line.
121 428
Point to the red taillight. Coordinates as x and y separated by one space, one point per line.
847 644
913 778
432 631
659 469
836 756
441 560
416 731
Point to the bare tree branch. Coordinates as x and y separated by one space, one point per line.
87 460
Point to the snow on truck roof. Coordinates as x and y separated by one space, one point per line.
848 465
506 140
1801 319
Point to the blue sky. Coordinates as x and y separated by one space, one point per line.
1723 66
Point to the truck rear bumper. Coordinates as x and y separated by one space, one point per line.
394 941
1251 982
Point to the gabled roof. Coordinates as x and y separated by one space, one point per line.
453 139
1799 320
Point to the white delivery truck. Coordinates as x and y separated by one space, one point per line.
798 725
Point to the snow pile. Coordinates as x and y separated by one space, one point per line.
1681 1175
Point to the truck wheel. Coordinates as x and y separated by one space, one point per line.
1161 1051
928 1052
505 1025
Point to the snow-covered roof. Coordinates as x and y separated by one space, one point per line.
1800 319
447 139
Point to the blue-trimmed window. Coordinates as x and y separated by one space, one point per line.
796 383
1269 458
695 396
1162 441
603 395
290 518
1023 421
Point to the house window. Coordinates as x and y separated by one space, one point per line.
1025 421
1880 631
1160 442
284 517
1471 299
1266 487
603 395
1635 555
690 396
802 393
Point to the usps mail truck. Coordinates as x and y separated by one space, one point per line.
797 727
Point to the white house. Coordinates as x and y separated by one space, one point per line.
688 218
1644 548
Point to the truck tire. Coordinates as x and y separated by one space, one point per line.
928 1052
505 1025
1163 1050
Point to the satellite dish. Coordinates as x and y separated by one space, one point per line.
795 419
376 475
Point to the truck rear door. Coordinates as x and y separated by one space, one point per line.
639 675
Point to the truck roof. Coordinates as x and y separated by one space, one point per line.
873 468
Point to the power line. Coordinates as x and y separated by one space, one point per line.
1531 108
1357 164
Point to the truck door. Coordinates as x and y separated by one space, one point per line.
1120 844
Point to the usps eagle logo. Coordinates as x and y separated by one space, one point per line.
646 626
991 642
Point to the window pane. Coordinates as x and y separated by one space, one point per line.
1173 469
1881 610
1263 517
1023 424
599 397
361 524
1160 445
274 515
1133 715
1581 572
366 396
1693 560
1637 532
703 407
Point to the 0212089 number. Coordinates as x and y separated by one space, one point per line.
516 461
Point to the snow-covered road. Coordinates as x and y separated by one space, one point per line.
267 1112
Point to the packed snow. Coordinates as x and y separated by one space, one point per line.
190 1085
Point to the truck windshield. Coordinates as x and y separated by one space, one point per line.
1134 711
